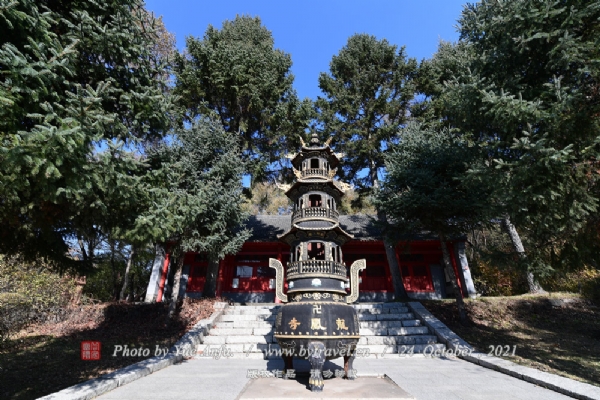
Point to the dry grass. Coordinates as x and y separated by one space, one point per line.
563 340
43 359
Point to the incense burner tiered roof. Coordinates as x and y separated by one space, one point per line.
315 236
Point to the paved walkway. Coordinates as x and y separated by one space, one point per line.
424 378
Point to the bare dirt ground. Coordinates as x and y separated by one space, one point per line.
45 358
560 337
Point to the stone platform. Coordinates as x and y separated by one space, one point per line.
336 388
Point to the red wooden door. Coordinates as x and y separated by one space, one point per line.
253 273
374 278
197 276
415 273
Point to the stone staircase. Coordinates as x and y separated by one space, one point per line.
390 328
385 328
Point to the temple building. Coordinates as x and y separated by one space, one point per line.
246 276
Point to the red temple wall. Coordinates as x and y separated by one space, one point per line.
250 272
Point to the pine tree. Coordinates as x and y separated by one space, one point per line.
196 197
367 95
523 82
424 192
79 91
236 75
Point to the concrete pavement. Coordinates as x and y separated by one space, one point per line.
423 377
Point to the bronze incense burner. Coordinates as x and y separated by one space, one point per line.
317 321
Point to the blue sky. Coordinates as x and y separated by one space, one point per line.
314 31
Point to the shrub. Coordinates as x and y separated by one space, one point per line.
105 281
30 293
493 281
585 281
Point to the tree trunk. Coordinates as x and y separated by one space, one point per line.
534 286
84 254
131 296
399 291
390 246
373 174
175 293
462 311
212 273
115 274
127 269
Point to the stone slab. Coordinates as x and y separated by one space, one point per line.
392 317
381 324
231 331
411 322
335 388
247 339
238 317
416 330
373 331
252 324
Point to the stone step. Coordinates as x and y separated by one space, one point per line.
242 339
231 331
234 356
409 330
254 305
243 324
382 350
246 332
385 317
378 305
251 311
394 331
397 310
241 331
208 349
250 339
421 348
390 324
246 317
400 340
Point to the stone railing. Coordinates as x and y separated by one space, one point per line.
315 173
296 269
315 213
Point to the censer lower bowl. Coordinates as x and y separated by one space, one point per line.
317 331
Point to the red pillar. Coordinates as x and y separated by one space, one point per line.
220 278
163 278
453 259
279 257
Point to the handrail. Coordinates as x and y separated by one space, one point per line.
312 267
315 212
315 172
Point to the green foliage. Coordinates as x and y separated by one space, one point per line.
495 268
105 280
236 75
489 280
352 203
196 192
585 281
267 199
29 293
423 189
77 77
367 95
523 83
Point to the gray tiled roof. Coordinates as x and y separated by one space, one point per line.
265 228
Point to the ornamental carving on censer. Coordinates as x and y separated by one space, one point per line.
317 320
